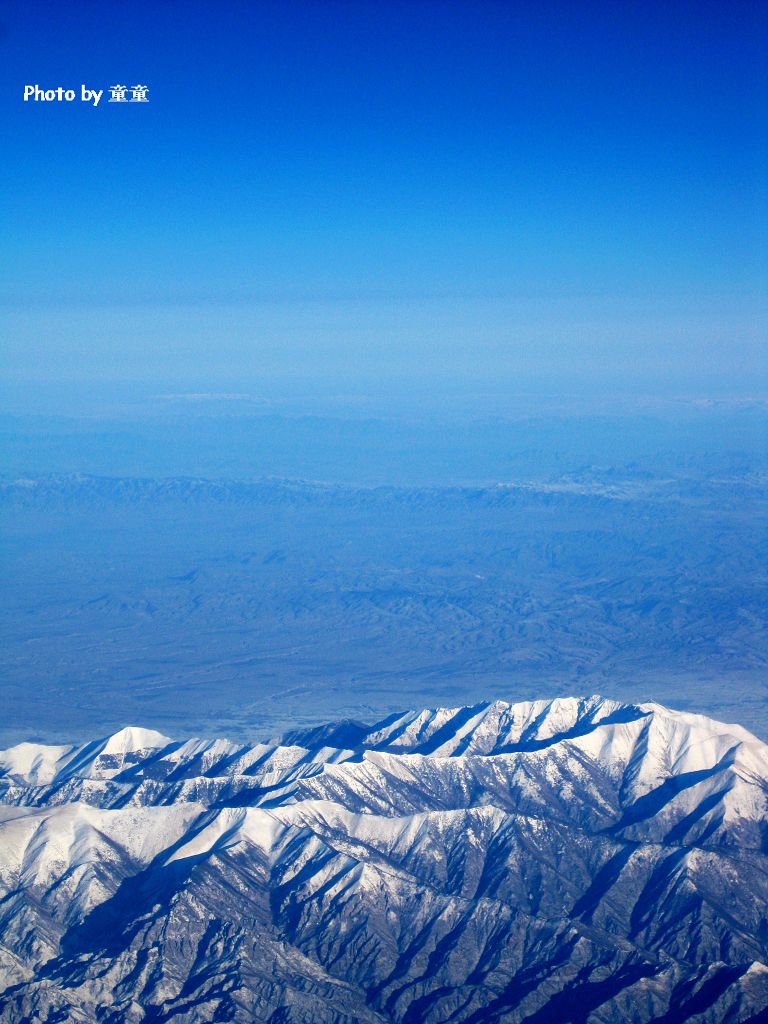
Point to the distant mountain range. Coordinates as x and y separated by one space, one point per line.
541 862
600 484
200 606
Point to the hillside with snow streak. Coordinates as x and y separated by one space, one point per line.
566 860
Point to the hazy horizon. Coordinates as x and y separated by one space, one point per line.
412 245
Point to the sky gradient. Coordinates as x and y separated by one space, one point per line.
345 192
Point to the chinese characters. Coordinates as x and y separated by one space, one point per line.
139 94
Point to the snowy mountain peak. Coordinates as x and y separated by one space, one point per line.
132 739
499 862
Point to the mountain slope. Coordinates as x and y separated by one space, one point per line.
567 860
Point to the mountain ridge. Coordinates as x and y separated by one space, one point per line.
498 862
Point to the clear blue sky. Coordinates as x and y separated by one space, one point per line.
430 188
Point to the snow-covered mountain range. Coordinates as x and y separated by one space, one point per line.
549 861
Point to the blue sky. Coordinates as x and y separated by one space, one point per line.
341 190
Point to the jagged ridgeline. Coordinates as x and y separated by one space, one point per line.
572 860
